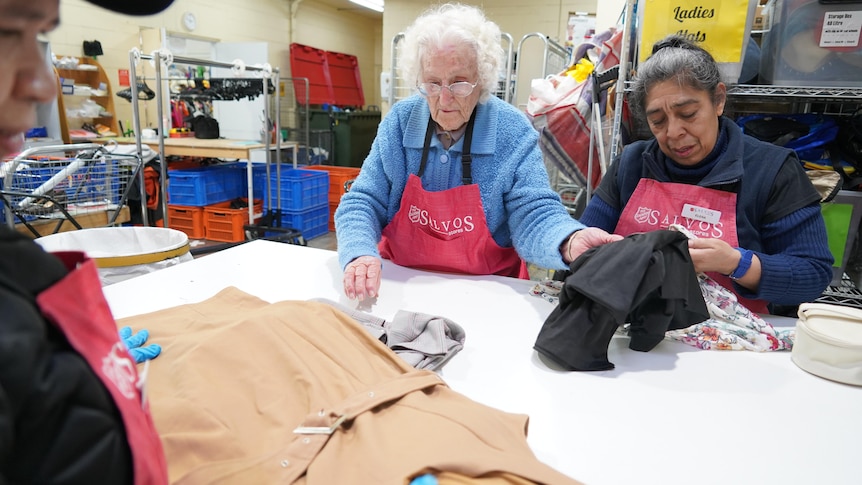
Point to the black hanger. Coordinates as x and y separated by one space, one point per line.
144 92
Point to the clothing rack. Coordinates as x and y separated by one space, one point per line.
164 56
224 88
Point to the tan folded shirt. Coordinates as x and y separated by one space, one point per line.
237 375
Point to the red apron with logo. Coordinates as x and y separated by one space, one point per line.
707 213
77 306
446 231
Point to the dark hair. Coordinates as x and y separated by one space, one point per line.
674 57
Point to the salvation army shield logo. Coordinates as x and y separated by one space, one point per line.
642 215
414 214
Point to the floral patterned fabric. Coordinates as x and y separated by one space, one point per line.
732 326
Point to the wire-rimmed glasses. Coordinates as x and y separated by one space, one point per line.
461 89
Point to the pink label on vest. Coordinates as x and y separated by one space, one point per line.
707 213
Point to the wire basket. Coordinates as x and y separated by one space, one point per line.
52 185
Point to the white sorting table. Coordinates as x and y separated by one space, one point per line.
674 415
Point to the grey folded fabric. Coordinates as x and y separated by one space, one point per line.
423 341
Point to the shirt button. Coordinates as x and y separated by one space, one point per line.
444 158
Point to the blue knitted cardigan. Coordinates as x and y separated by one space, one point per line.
521 208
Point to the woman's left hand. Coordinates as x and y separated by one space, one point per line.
584 239
713 255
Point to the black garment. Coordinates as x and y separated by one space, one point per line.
58 423
647 279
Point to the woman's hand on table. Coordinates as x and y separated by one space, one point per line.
362 277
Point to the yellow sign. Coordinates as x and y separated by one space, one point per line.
718 25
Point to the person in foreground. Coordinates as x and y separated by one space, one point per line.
455 180
756 215
71 409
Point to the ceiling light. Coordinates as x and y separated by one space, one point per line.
376 5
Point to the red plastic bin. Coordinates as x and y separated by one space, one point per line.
345 79
310 63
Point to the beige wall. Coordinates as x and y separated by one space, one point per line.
310 22
267 21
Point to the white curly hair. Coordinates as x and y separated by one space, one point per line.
453 23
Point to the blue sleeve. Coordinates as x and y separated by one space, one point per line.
600 214
538 220
362 213
796 264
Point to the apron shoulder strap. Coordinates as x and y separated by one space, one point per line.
466 158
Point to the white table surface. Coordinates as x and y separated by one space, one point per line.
674 415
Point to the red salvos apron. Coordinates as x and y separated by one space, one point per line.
707 213
446 230
77 306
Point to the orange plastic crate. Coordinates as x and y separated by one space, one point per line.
332 207
337 177
187 219
225 224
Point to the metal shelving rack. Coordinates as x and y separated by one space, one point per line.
163 56
798 99
835 93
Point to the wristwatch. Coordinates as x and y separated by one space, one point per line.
744 264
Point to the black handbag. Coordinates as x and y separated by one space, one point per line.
778 130
205 127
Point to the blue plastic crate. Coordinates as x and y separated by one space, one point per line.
258 173
206 185
311 222
300 189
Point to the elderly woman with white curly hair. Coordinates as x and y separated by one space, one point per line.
455 180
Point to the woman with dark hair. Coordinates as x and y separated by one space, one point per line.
756 215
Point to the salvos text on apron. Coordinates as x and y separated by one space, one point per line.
707 213
446 230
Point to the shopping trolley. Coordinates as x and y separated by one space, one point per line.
43 188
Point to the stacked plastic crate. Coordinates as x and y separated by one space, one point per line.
206 202
300 199
338 180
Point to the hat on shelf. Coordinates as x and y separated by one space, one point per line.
147 7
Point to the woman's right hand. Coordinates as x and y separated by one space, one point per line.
362 277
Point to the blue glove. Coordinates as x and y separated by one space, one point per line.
134 343
426 479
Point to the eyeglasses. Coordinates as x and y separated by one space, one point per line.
461 89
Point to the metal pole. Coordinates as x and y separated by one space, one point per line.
136 125
625 66
163 168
